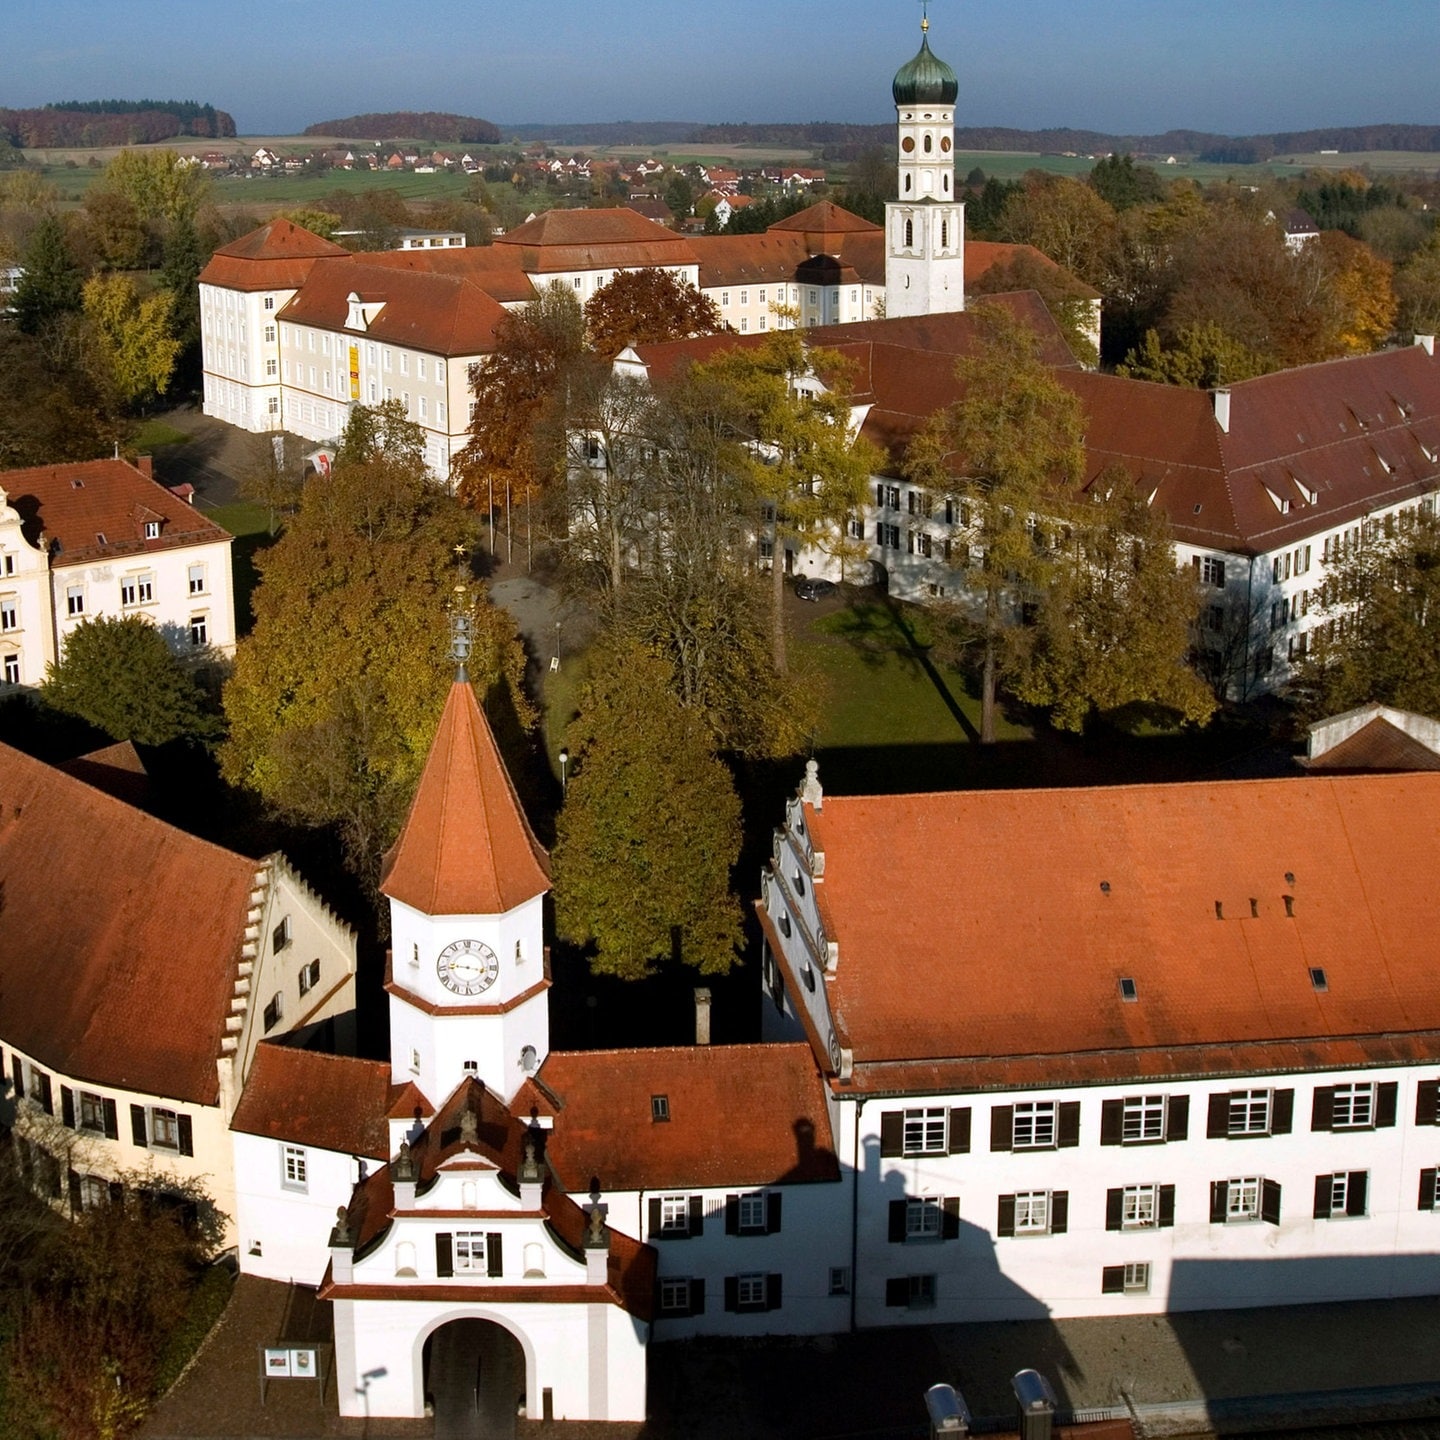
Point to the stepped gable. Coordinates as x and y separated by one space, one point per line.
330 1102
1137 884
444 314
561 240
120 936
602 1103
466 847
277 256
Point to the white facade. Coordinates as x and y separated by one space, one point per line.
239 341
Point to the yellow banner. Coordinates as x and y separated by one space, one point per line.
354 372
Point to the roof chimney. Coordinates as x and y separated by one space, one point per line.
1221 399
702 1015
1426 343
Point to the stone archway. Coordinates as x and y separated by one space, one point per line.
473 1372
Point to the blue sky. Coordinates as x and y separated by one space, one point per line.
1238 66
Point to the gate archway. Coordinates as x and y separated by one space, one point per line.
474 1376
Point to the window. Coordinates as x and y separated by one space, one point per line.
1242 1113
1244 1199
675 1217
659 1107
309 977
1354 1107
269 302
9 613
840 1275
274 1012
12 669
1341 1194
7 564
1210 569
272 368
1140 1207
197 579
1144 1119
752 1291
931 1130
269 334
75 600
1125 1279
1034 1125
128 591
752 1211
1430 1189
199 632
281 936
96 1114
145 588
152 529
469 1251
912 1292
681 1296
922 1218
164 1129
293 1172
1034 1212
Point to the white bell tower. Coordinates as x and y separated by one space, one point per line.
925 224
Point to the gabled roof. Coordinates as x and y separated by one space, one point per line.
120 936
116 769
466 847
496 272
561 240
78 503
277 256
329 1102
1021 966
715 1134
824 219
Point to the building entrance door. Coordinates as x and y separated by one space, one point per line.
475 1379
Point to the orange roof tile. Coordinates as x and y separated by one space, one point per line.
332 1102
562 240
277 256
119 936
1024 958
76 504
1377 745
116 769
496 272
604 1126
466 847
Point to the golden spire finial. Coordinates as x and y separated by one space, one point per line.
924 16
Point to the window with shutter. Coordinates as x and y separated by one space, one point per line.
1429 1189
139 1130
444 1256
494 1255
1112 1280
959 1137
67 1107
1427 1103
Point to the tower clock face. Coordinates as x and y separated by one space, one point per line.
467 967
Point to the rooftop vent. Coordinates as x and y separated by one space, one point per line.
1289 907
1317 978
1104 887
1219 910
77 484
100 538
1254 908
1128 992
1290 878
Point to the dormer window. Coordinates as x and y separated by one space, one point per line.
152 529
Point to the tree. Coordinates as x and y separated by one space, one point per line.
1066 220
115 228
1122 184
121 677
51 284
794 450
1381 639
335 693
1201 356
184 258
1011 449
1360 283
1071 304
650 828
323 223
267 479
645 307
132 336
161 189
1114 625
1417 286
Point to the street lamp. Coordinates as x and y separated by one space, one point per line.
564 764
557 644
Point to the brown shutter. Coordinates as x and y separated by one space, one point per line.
112 1121
732 1214
1219 1201
959 1130
1427 1189
17 1071
1005 1221
1067 1131
1217 1125
772 1213
67 1107
1356 1189
1059 1211
1165 1211
444 1264
117 1193
187 1135
494 1254
950 1218
1270 1201
772 1291
138 1133
653 1206
1387 1102
697 1297
1002 1127
75 1202
732 1293
897 1292
1322 1108
1112 1122
697 1215
1427 1103
1114 1209
1112 1280
1282 1111
47 1098
1177 1117
1322 1196
897 1221
892 1132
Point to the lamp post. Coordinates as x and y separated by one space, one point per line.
557 644
564 767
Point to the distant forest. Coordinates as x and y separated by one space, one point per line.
411 125
90 123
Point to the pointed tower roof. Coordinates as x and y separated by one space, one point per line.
466 847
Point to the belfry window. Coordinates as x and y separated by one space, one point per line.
909 233
929 143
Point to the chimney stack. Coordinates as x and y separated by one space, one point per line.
1221 399
702 1015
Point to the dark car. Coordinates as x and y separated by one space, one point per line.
807 588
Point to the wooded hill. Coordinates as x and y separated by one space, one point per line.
411 125
87 124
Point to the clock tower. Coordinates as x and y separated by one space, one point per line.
466 881
925 223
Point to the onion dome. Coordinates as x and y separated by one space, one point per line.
925 80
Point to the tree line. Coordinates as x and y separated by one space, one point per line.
87 124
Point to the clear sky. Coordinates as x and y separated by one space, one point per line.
1121 66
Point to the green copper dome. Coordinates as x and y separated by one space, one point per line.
925 80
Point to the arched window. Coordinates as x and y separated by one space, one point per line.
909 233
944 233
945 184
405 1258
907 184
534 1261
928 142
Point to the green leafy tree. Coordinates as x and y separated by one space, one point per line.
160 188
51 285
1123 184
115 230
122 677
1201 356
1066 220
132 337
1011 449
184 258
268 479
650 828
335 693
1417 287
1114 625
644 307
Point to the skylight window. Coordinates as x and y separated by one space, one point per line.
1318 979
1128 991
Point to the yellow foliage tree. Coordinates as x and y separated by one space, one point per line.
132 340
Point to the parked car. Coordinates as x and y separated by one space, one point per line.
807 588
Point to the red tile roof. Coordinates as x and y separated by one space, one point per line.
331 1102
76 504
982 256
716 1135
1021 962
277 256
823 220
116 769
496 272
1377 745
466 847
562 240
119 936
444 314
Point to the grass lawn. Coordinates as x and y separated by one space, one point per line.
250 525
155 433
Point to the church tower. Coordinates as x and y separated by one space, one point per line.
925 224
466 882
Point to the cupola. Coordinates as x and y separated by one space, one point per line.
925 80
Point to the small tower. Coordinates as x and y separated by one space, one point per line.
925 224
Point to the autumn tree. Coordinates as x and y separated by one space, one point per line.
643 307
157 185
132 336
1114 624
1360 284
122 677
650 828
1200 356
1066 220
1417 288
335 693
1070 302
1011 450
